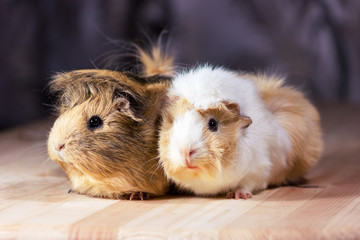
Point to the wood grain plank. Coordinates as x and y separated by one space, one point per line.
34 203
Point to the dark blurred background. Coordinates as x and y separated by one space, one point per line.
315 43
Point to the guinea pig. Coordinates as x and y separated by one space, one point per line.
105 137
234 134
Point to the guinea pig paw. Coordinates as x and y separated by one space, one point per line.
239 194
72 191
137 196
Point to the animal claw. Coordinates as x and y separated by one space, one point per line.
239 194
137 196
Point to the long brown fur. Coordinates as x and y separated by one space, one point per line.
156 62
120 157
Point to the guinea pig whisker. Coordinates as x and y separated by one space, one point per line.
103 166
151 159
84 164
157 165
149 169
153 172
156 168
42 147
99 167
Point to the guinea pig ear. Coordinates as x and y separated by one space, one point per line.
246 122
122 104
126 103
119 94
235 108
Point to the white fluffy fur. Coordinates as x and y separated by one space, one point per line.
206 85
188 132
264 147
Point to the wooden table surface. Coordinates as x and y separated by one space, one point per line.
35 204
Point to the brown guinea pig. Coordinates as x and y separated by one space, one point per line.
105 137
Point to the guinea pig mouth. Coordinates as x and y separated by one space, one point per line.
189 165
59 155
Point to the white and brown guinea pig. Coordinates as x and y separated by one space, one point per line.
105 137
227 133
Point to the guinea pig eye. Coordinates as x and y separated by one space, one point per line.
95 122
213 125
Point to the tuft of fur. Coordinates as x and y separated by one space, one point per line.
120 157
260 141
156 61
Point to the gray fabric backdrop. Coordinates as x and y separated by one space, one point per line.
315 43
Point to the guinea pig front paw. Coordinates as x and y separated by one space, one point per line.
137 196
72 191
239 194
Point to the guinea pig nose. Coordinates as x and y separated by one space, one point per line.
187 152
191 152
61 147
